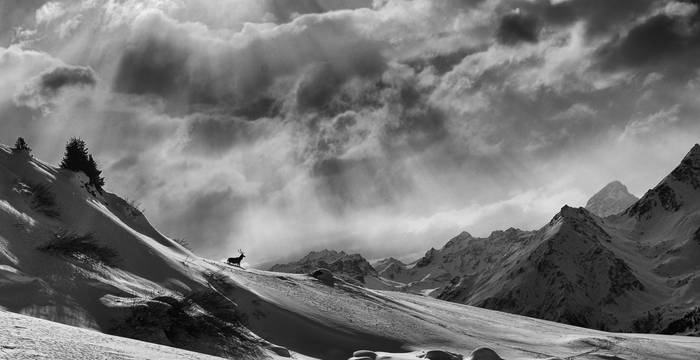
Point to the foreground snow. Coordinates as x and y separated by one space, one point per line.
24 337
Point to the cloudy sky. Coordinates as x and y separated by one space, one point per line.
384 127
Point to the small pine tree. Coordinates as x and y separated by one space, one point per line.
21 145
77 158
94 174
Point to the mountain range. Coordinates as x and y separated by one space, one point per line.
621 263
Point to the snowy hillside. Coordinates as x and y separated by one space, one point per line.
611 199
75 256
78 257
25 337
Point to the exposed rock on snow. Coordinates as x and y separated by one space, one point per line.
611 199
324 275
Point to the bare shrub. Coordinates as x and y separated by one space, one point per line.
184 243
79 247
134 207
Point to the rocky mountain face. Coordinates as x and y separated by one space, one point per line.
634 271
611 199
566 271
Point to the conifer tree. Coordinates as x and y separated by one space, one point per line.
21 145
94 174
77 158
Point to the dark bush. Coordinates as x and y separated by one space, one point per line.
43 200
79 246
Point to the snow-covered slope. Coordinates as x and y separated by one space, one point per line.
611 199
75 256
25 337
91 260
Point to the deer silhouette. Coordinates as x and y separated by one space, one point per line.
236 260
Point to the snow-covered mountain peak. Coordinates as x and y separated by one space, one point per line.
611 199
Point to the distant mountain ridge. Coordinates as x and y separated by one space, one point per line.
351 267
611 199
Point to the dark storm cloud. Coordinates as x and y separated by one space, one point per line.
284 10
14 14
600 16
442 63
165 59
63 76
318 87
414 124
153 66
516 28
668 43
217 134
40 91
